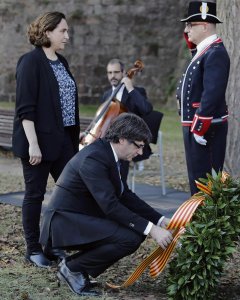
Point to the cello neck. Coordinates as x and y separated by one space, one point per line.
108 101
114 93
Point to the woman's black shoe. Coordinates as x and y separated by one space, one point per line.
38 259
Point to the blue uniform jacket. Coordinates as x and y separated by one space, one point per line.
201 92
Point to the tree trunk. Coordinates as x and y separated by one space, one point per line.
229 12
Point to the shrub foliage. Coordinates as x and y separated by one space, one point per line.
209 240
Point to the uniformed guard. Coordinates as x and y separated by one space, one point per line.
201 93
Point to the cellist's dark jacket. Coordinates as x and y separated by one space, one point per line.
38 100
86 204
136 101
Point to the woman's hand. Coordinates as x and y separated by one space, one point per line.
35 154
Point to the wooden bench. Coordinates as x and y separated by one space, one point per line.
6 127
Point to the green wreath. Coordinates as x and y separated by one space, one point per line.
209 240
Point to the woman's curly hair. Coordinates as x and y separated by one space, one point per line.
37 29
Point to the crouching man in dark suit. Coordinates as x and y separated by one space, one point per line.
93 211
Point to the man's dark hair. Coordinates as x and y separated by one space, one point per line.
128 126
114 61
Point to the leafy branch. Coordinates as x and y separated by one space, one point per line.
209 240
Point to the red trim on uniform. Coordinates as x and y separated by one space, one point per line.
187 124
200 124
196 104
190 45
224 119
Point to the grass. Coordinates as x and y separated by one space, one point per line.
7 105
23 282
172 149
20 281
170 124
87 110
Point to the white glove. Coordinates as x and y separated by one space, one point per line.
164 222
200 139
162 236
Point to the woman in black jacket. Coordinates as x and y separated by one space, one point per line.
46 125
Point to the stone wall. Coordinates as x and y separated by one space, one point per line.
100 30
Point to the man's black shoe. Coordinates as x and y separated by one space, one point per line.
38 259
54 254
94 283
77 281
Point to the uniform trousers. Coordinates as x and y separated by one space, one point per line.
35 178
96 257
202 159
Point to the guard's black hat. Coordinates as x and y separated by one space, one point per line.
202 11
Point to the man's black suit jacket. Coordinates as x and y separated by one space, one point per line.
38 100
87 205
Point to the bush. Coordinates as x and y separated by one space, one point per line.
209 240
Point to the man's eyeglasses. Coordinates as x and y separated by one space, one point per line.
190 25
139 146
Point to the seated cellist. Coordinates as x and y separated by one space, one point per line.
133 98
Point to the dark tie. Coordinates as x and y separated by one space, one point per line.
119 166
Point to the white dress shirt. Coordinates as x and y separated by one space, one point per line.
150 224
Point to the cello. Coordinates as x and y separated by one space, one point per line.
107 112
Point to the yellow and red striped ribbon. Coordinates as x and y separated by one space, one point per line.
204 188
177 223
207 189
225 176
158 259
